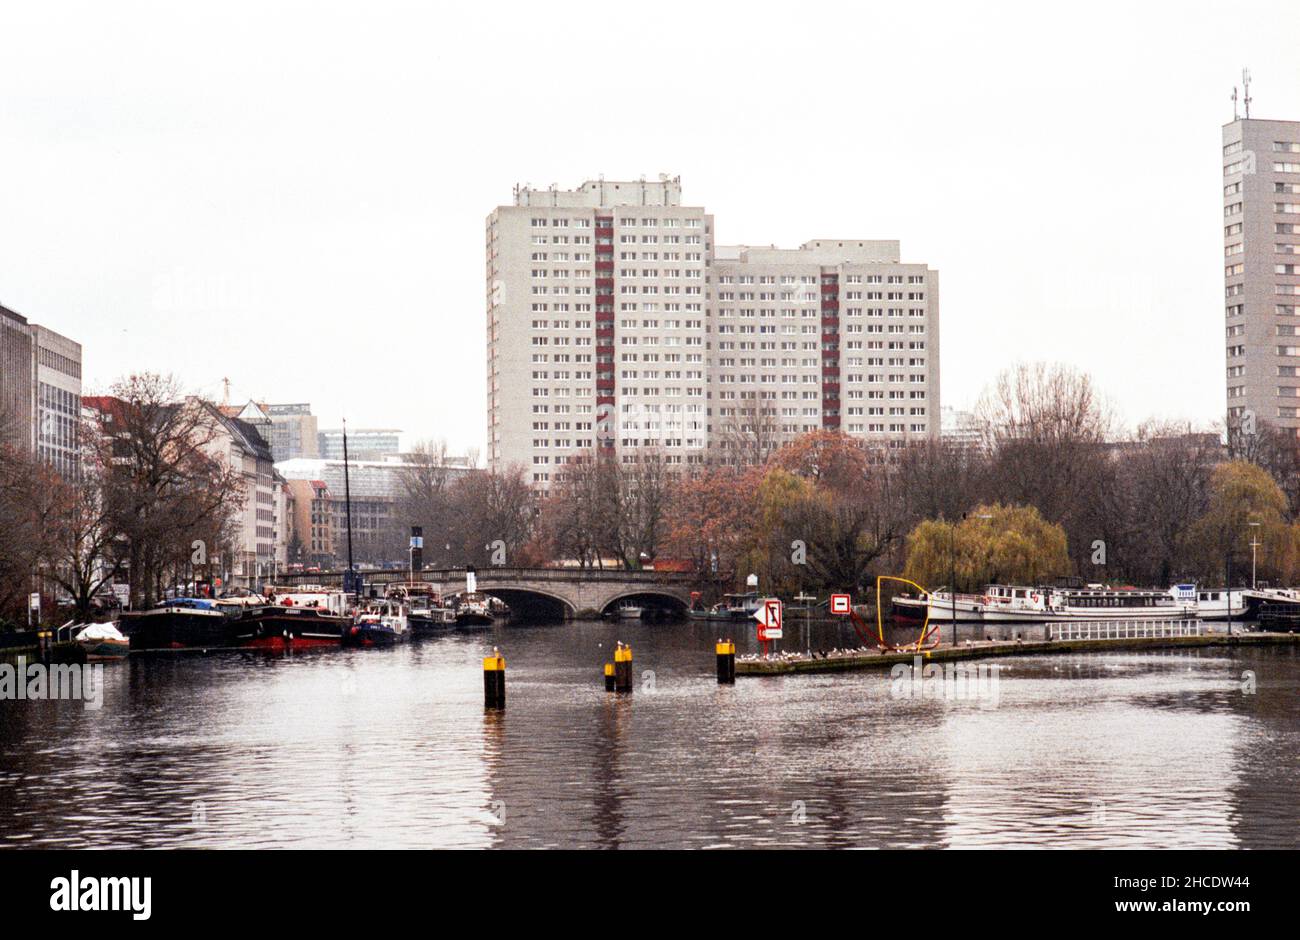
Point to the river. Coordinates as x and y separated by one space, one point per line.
393 748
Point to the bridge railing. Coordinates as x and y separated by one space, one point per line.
490 574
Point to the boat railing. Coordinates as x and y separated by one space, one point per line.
1124 629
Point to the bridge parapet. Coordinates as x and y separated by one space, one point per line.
576 589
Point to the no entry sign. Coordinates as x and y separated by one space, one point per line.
841 604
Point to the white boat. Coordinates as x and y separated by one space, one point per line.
629 612
1221 604
1012 603
102 642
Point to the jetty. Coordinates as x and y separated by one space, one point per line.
778 664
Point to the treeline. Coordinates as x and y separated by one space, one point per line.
150 495
1043 486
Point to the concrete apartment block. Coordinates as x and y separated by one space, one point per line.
1261 243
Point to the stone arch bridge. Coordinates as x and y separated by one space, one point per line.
546 592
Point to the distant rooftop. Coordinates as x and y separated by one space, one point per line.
818 251
666 191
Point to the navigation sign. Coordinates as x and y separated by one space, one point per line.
768 616
34 602
841 604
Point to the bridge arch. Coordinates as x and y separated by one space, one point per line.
533 604
647 596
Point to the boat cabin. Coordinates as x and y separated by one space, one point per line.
1097 597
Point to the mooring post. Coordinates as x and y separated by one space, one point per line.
494 680
622 668
609 677
726 651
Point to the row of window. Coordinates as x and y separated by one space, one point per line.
626 222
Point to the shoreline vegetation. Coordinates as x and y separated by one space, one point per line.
1041 482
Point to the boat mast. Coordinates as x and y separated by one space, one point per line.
347 502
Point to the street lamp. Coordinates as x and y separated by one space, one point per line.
986 517
952 584
1254 544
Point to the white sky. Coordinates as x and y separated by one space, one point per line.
292 195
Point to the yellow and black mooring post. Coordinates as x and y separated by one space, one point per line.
494 680
622 668
726 662
609 677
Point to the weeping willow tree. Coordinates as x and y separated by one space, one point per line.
993 543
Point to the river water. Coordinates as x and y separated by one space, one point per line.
393 748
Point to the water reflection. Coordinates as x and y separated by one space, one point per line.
373 748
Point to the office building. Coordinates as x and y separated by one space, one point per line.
40 392
363 443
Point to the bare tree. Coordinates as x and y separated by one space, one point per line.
1045 428
749 436
167 487
29 508
495 514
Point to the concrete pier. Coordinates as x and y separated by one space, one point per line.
797 663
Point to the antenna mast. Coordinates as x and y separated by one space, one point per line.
1245 83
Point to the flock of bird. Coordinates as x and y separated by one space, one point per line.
790 656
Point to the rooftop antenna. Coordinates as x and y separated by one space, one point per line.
225 395
1234 103
1245 83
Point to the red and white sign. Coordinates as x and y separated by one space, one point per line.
768 616
841 604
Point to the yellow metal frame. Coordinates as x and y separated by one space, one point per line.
880 625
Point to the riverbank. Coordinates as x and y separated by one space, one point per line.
855 660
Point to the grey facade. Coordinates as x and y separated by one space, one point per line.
1261 243
293 431
56 401
40 392
15 380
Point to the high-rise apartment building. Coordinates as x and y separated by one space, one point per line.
597 327
614 323
837 334
1261 244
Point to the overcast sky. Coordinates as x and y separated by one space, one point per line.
292 195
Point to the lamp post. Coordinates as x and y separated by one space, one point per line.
1229 589
986 517
1254 544
952 585
952 579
